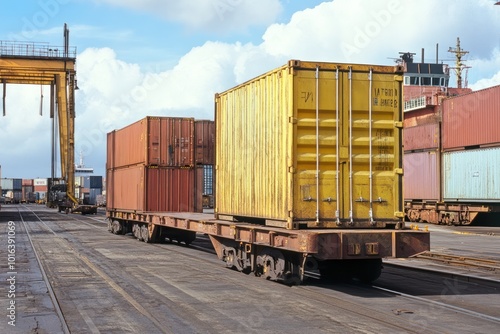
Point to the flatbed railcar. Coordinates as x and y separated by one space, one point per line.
308 175
275 253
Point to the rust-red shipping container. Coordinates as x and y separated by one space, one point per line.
472 120
27 182
146 188
421 137
421 176
41 188
204 142
421 116
153 141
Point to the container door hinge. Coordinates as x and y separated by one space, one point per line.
398 125
292 120
398 171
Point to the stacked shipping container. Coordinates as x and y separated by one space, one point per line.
28 192
12 189
155 165
40 187
471 146
452 155
205 158
92 187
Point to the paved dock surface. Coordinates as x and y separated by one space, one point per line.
105 283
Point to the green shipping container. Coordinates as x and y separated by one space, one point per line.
312 144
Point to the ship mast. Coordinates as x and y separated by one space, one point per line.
459 65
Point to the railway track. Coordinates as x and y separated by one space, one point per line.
158 288
46 280
463 261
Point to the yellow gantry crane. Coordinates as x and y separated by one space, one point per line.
42 64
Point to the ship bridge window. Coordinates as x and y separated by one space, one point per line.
412 81
426 81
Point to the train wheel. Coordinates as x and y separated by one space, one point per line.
145 233
270 264
116 227
136 230
273 265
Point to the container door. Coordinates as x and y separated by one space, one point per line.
315 190
372 169
153 141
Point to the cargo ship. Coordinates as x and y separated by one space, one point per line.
451 145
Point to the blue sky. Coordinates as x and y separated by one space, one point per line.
137 58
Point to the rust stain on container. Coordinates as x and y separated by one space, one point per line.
421 137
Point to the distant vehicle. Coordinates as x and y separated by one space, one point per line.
58 198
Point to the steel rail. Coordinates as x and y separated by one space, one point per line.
106 278
53 297
466 261
433 302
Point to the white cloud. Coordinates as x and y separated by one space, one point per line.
214 15
114 93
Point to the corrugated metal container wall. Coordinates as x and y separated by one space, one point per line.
27 182
7 184
472 175
153 141
472 119
93 193
92 182
12 184
421 137
110 150
208 180
422 176
143 188
204 142
41 188
27 193
18 184
276 131
18 195
40 182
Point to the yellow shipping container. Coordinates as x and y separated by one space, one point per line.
312 144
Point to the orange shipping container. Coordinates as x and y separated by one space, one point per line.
27 182
144 188
472 120
153 141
